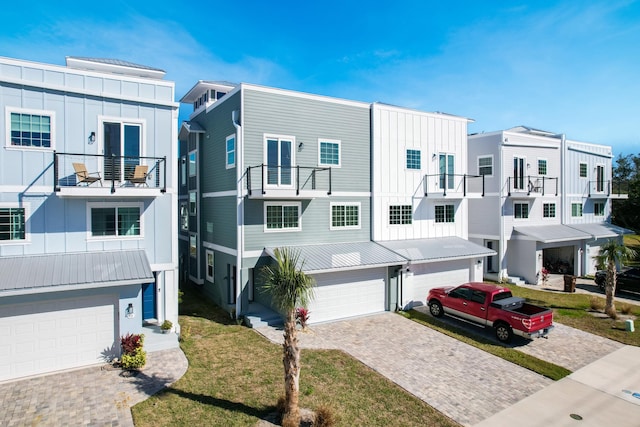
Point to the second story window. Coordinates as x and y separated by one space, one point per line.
549 210
413 159
521 210
445 213
583 170
30 129
192 163
485 165
576 209
115 221
542 166
598 208
193 203
400 215
183 170
12 224
328 152
230 147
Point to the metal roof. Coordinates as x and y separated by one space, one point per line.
189 127
601 230
437 249
117 62
552 233
343 256
69 271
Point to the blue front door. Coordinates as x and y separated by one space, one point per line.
149 301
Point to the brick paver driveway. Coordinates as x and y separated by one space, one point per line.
461 381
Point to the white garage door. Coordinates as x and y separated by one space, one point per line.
346 294
47 336
433 275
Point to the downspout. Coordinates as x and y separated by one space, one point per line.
235 118
563 184
501 203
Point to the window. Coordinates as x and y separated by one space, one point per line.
328 152
183 170
231 151
193 203
184 217
583 170
345 216
542 166
209 256
478 296
122 141
549 210
279 157
400 214
518 172
521 210
576 209
282 217
115 221
12 224
193 246
446 165
485 165
413 159
192 163
445 213
598 209
32 129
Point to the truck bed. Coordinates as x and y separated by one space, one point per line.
518 305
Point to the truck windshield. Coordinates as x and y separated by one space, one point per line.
502 295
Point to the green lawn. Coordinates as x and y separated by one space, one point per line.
235 378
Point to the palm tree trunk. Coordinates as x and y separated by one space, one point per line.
291 361
610 288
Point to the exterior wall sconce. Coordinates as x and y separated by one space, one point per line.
129 312
434 156
300 146
92 138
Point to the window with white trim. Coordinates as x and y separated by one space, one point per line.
329 152
193 245
282 216
230 147
193 203
193 156
12 224
521 210
576 210
109 220
122 142
485 165
184 216
183 170
400 214
413 159
583 170
548 210
445 213
542 166
209 259
598 208
345 216
30 128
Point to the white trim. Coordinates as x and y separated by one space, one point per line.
485 156
219 248
282 230
235 151
528 210
279 138
555 211
581 210
27 223
213 194
254 254
195 164
163 267
399 204
27 189
52 127
604 206
123 121
303 95
587 169
406 158
445 222
345 204
208 277
330 141
546 165
195 193
196 236
115 205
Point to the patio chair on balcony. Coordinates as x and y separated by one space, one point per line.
85 177
140 175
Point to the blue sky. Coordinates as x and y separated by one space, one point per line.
562 66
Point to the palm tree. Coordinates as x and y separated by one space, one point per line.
289 286
612 254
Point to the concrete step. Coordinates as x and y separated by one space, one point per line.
514 280
259 316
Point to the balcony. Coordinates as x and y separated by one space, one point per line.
454 186
532 186
608 190
288 182
94 175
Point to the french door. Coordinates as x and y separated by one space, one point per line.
121 149
518 173
279 155
599 178
447 162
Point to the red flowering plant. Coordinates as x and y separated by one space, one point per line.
545 276
302 316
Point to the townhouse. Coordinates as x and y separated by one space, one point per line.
547 203
88 212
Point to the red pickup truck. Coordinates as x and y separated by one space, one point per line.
491 306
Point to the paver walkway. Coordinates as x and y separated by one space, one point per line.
87 397
461 381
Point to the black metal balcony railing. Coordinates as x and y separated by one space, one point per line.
115 171
532 184
607 188
458 183
301 178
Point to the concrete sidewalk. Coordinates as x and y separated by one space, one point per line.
603 393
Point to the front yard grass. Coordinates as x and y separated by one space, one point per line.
532 363
574 310
235 377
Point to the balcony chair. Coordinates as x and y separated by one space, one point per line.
140 175
84 177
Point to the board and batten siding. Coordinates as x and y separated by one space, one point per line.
394 131
592 155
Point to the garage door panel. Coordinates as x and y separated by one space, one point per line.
432 275
53 335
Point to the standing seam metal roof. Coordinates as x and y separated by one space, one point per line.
437 249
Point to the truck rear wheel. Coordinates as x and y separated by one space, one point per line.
504 333
435 308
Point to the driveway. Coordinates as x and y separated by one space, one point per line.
461 381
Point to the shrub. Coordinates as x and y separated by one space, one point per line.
625 308
185 333
166 325
130 342
302 316
324 417
596 303
133 356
